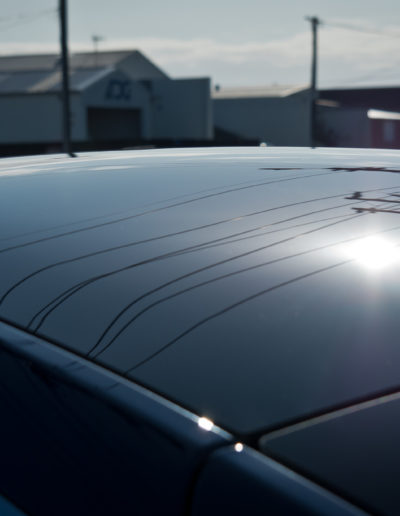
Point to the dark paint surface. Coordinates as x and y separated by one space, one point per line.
226 280
245 482
76 439
356 454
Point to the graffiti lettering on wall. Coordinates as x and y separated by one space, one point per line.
118 90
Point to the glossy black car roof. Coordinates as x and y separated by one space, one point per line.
258 287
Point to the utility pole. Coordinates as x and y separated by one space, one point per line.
314 26
65 79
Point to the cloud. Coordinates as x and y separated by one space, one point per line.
343 55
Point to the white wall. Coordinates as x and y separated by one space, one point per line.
182 109
277 120
116 90
170 109
37 118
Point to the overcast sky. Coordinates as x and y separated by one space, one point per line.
246 43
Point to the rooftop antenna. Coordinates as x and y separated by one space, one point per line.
96 39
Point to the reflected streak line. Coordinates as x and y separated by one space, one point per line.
235 305
79 286
162 208
119 315
72 290
148 240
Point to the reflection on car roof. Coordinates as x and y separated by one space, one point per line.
228 280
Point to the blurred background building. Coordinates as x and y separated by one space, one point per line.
278 115
117 99
120 99
359 117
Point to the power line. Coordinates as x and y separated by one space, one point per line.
364 30
22 19
379 75
29 14
385 71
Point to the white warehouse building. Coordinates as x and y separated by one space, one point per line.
278 115
115 96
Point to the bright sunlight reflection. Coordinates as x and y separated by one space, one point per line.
374 252
205 423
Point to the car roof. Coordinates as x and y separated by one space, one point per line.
256 286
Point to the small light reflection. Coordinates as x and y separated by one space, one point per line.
238 447
374 252
205 423
382 115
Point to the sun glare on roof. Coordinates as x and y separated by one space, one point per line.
374 253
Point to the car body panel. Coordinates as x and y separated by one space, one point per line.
224 279
245 482
9 509
353 451
75 438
